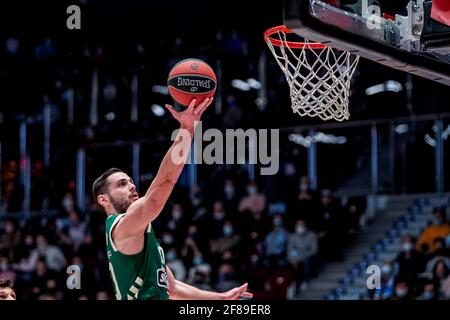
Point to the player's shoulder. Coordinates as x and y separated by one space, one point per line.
112 218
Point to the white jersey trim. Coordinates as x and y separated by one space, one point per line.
110 231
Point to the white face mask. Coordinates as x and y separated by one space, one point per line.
229 191
251 190
300 230
401 292
167 239
386 269
227 231
67 203
219 215
407 246
176 215
303 187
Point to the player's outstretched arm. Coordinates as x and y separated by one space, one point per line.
147 208
181 291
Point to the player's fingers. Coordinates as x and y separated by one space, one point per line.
171 109
192 105
204 107
201 105
246 295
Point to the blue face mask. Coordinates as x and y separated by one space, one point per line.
277 222
228 231
197 260
171 255
437 221
427 295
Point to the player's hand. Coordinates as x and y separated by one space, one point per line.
237 293
193 113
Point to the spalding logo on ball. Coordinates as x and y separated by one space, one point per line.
191 79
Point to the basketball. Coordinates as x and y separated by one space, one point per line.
191 79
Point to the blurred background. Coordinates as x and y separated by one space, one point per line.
369 191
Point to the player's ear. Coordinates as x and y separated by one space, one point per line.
103 199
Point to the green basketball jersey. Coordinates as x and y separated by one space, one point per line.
139 276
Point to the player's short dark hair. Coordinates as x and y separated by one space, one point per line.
5 283
100 185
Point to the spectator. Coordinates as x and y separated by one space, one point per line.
54 257
76 229
102 295
330 227
387 287
177 224
175 264
439 228
429 292
6 271
402 291
28 259
9 239
212 225
190 246
301 249
275 244
6 290
40 277
409 262
198 265
226 278
440 274
229 240
254 202
230 196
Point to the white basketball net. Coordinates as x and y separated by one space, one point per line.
319 79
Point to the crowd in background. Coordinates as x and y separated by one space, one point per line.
212 241
422 269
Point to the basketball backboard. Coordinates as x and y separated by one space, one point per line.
401 34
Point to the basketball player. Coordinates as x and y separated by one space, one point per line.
6 290
136 261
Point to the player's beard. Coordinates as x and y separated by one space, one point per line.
120 205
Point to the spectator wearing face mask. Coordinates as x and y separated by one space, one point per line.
229 241
54 257
175 264
409 261
387 285
175 217
301 250
429 292
198 265
254 202
230 196
226 278
402 291
176 224
191 245
439 228
212 225
275 244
